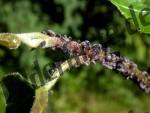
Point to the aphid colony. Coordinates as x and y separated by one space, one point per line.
96 52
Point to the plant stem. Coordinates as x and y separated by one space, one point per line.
94 52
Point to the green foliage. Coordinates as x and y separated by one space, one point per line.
2 101
86 89
137 11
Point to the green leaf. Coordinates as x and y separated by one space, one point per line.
41 101
16 94
137 11
2 101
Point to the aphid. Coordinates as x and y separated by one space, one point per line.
118 65
109 57
42 44
49 32
58 35
93 61
64 47
85 44
78 62
78 41
69 63
147 75
86 60
53 48
44 32
147 89
87 63
69 37
97 46
81 52
142 85
117 53
65 38
106 50
59 67
52 78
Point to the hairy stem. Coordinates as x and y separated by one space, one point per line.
59 70
111 60
94 52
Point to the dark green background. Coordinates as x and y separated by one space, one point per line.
92 89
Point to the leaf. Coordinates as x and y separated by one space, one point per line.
136 11
17 94
2 100
41 101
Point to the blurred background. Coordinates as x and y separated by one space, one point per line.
92 89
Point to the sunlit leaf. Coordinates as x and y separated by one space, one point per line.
136 11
